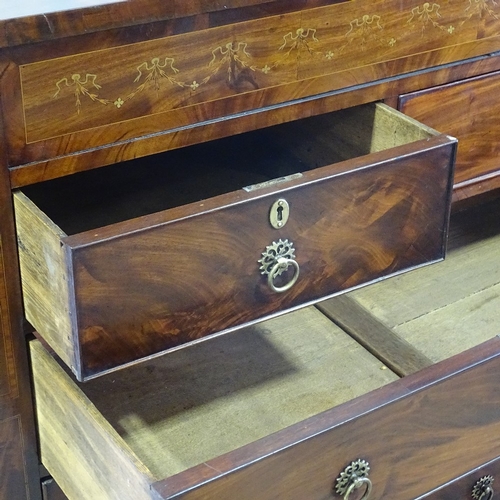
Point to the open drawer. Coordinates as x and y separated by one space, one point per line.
128 261
242 417
279 409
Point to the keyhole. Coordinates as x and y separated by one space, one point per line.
280 213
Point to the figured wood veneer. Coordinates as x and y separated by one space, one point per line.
468 110
138 287
93 89
463 486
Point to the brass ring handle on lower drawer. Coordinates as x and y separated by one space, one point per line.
275 260
353 477
483 489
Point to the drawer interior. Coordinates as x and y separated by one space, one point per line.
134 188
174 412
116 267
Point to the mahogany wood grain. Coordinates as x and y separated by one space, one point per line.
469 111
157 282
65 19
55 36
11 460
352 95
18 453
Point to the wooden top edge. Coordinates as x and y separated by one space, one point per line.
21 24
347 167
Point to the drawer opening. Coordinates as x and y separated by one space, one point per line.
108 195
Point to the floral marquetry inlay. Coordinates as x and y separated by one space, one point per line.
159 76
426 16
482 8
80 87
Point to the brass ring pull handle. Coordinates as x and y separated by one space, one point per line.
483 489
357 483
275 260
353 477
282 264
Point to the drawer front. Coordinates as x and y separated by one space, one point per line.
479 484
469 111
160 288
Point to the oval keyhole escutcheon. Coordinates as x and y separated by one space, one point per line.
279 213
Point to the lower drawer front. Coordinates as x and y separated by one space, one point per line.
412 445
100 439
479 484
110 295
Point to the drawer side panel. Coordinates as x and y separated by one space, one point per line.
75 438
45 277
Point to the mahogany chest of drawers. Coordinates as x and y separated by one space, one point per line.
175 171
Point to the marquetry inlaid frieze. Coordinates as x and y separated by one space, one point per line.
89 90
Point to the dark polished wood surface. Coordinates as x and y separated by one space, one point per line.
57 19
464 486
18 456
154 83
214 284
